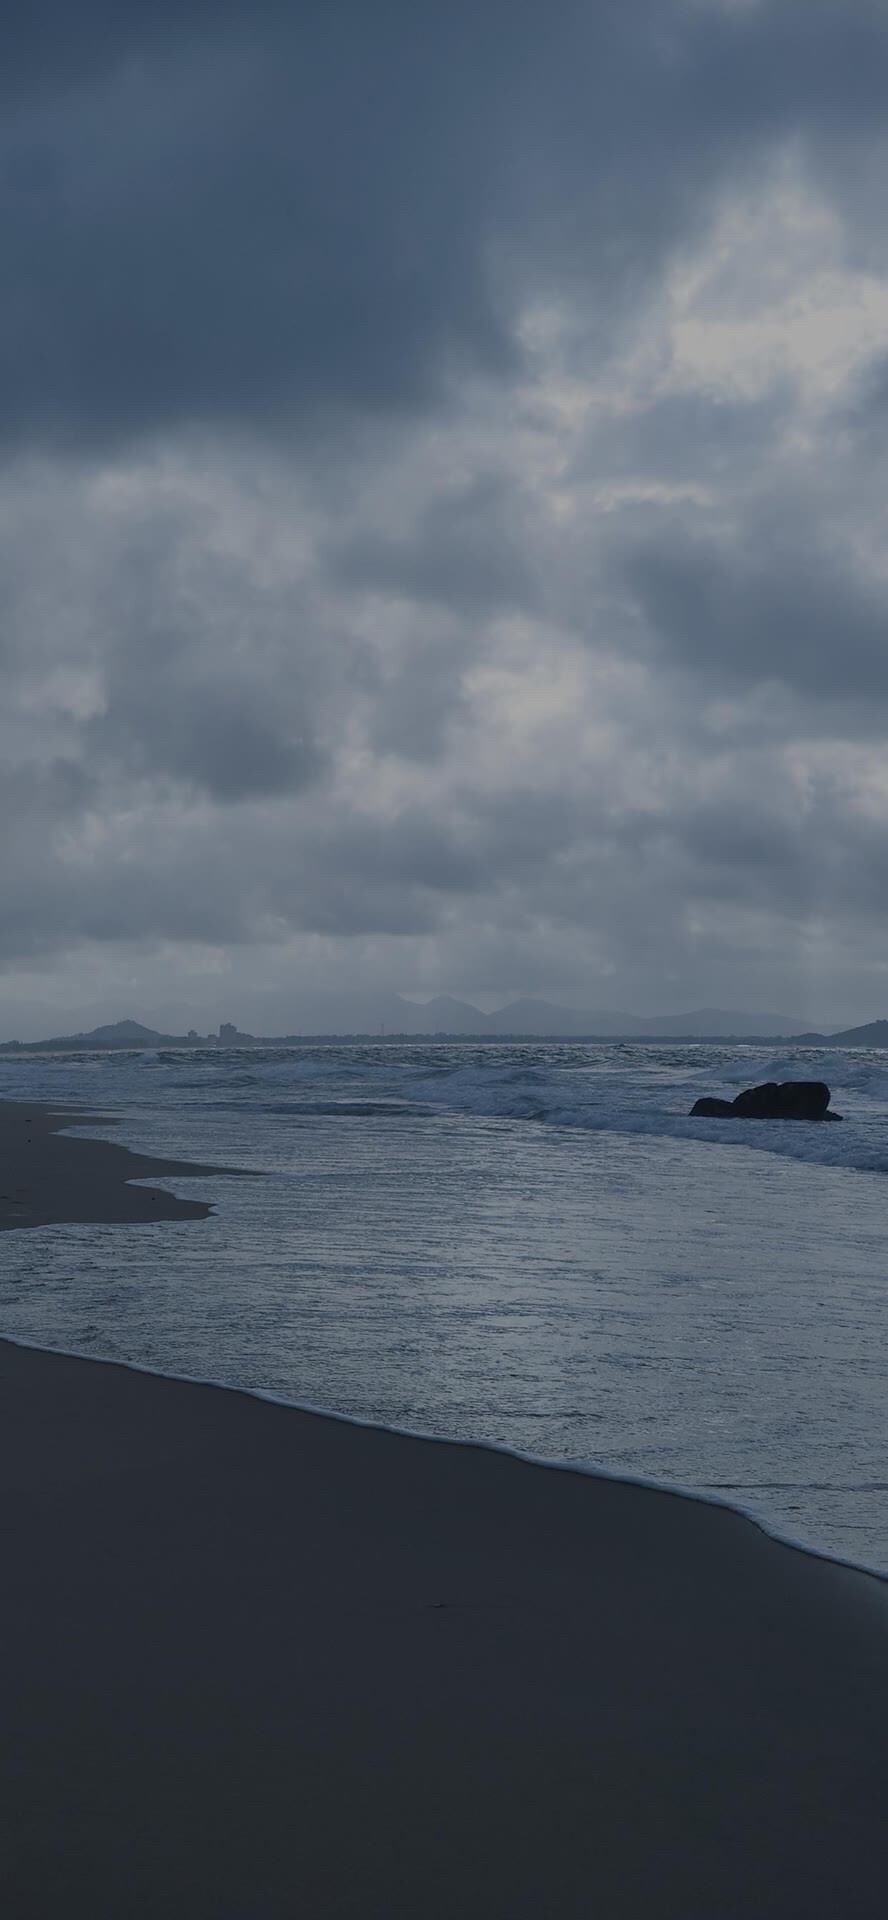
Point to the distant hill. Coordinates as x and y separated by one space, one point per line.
122 1033
874 1034
441 1015
714 1022
541 1016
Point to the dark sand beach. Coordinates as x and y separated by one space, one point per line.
256 1662
48 1176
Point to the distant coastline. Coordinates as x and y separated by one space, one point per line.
130 1036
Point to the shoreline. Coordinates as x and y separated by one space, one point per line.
49 1177
87 1182
259 1659
586 1470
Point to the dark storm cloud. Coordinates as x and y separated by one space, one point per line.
215 695
186 671
469 551
212 738
689 436
250 212
278 220
863 413
49 47
417 705
761 608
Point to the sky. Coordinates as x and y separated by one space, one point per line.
443 458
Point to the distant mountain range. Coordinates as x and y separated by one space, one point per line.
874 1034
389 1016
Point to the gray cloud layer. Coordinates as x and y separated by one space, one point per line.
439 513
237 212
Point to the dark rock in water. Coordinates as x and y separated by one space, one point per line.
790 1100
776 1100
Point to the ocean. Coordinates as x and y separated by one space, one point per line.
529 1244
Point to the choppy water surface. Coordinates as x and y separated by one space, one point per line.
530 1244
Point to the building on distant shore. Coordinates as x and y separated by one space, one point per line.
230 1037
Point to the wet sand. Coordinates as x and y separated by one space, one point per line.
255 1662
47 1176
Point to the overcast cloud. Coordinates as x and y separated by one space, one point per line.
443 454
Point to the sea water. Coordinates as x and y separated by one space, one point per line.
530 1244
